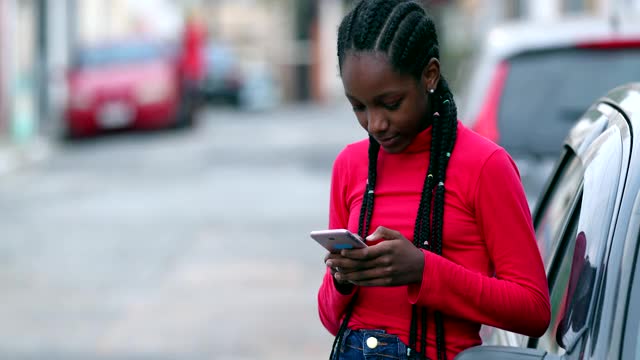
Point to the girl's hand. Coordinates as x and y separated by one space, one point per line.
392 262
343 286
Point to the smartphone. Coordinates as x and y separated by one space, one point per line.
338 239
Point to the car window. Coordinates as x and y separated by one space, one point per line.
560 283
603 165
546 92
121 53
555 212
220 59
578 258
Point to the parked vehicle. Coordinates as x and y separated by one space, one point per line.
224 77
587 226
246 85
532 80
126 84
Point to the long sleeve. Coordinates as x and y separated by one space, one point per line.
516 298
331 303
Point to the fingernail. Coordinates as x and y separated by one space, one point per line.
338 276
329 263
370 237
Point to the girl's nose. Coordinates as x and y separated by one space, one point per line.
377 122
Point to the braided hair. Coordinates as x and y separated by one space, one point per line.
403 31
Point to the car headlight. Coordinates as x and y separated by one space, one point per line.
153 92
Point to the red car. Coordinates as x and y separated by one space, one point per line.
131 84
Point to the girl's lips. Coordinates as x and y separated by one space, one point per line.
388 142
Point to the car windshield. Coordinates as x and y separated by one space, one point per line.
220 59
122 53
546 92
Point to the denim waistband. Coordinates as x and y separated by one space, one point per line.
371 345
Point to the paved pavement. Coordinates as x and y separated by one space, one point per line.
173 244
16 157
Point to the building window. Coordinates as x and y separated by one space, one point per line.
579 6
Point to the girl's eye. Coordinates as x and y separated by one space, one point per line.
358 108
393 106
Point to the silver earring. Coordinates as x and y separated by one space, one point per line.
431 91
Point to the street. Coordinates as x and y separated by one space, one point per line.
173 244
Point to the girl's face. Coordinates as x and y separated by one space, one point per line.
390 106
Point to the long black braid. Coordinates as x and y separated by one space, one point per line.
402 30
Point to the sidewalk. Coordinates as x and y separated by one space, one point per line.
15 157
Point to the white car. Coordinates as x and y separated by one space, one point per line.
588 230
532 80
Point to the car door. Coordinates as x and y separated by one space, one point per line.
630 315
578 263
555 220
593 268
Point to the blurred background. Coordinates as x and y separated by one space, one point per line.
163 161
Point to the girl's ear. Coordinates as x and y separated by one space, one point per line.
431 75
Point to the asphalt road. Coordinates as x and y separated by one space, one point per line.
173 244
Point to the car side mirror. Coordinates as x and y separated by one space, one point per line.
485 352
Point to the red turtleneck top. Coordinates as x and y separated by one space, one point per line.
490 271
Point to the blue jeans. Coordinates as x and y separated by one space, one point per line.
358 345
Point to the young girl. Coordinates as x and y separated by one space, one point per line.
451 242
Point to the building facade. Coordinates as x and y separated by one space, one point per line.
35 41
